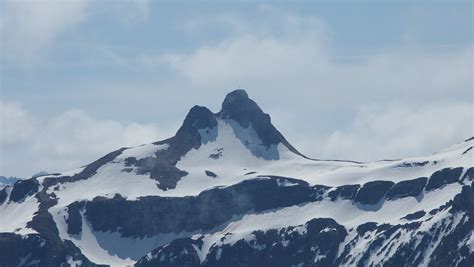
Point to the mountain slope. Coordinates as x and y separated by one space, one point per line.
228 189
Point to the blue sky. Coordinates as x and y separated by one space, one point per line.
342 79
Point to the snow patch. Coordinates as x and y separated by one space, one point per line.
143 151
14 216
284 182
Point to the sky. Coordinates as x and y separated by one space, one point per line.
358 80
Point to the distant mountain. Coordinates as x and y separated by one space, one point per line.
10 181
7 181
229 190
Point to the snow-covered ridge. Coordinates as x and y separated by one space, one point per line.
224 157
143 151
232 162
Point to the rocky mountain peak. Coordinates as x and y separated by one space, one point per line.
199 118
239 107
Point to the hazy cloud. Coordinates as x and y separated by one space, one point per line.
16 124
298 58
29 28
398 131
66 141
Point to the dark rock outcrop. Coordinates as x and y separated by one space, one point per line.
239 107
180 252
24 188
153 215
317 245
211 174
35 250
162 167
74 219
366 227
464 201
469 175
344 192
413 164
415 215
372 192
406 244
444 177
3 195
408 188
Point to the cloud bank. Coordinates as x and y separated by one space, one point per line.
398 131
30 28
65 141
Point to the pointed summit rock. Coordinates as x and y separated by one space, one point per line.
198 118
237 106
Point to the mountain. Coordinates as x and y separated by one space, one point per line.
229 190
7 181
10 181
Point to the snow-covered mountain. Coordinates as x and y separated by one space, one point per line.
7 181
229 190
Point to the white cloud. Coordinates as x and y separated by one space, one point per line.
29 28
293 58
15 123
250 58
397 132
281 49
66 141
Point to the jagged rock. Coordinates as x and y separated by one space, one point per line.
443 177
35 250
408 188
153 215
372 192
415 215
239 107
74 218
315 245
469 175
344 192
181 252
211 174
3 195
23 188
465 200
366 227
